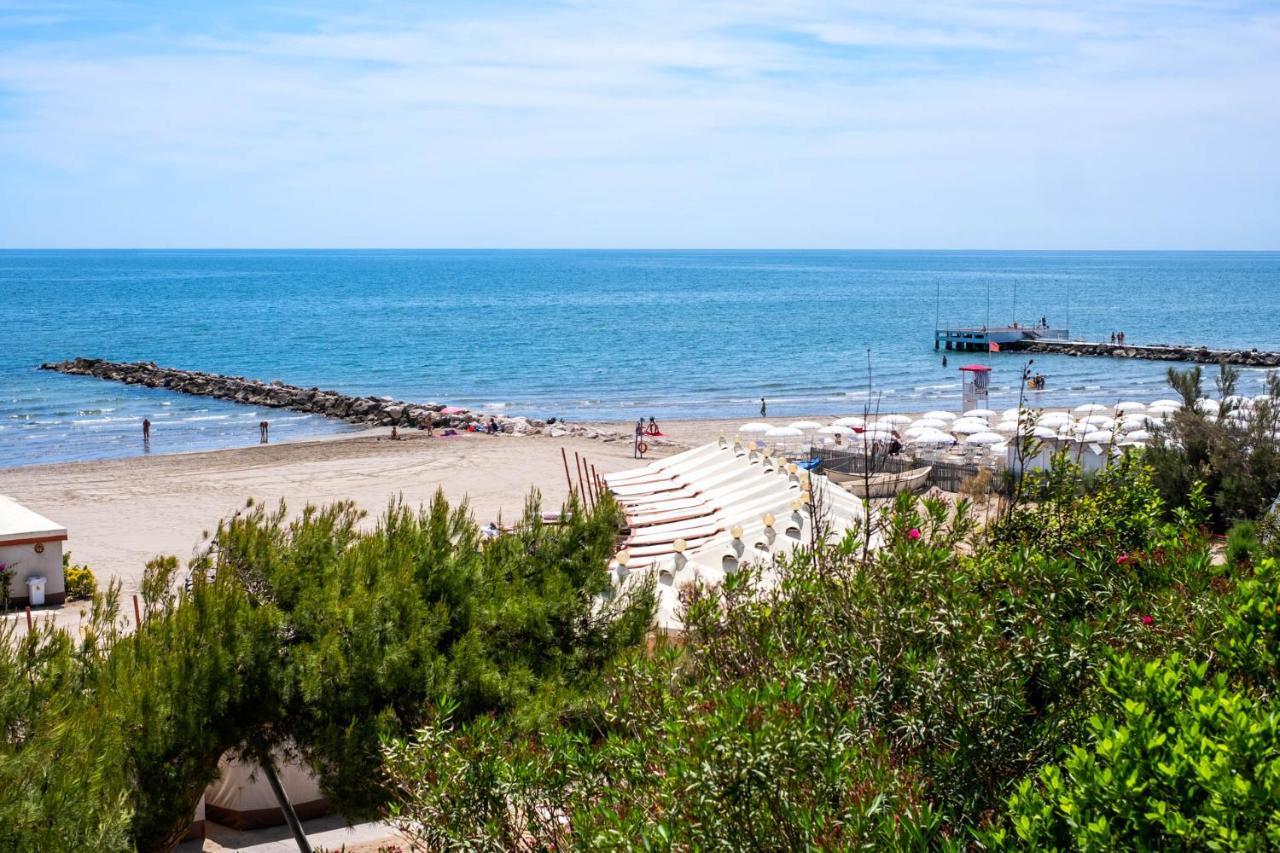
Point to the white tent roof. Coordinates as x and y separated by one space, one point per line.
17 522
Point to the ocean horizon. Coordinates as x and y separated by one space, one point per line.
588 334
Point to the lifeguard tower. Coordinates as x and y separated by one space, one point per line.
975 381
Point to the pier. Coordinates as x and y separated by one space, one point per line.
1041 339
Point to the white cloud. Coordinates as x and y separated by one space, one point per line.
591 123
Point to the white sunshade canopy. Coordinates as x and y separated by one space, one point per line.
932 423
1130 406
970 426
755 426
1208 404
987 438
1100 421
940 415
783 432
931 436
1166 404
805 425
1138 435
851 421
1007 427
1055 419
1090 409
1098 435
980 413
894 419
1044 432
1152 423
835 430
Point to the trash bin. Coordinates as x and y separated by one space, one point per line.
35 590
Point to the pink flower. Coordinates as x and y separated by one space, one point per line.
1148 621
913 534
1122 559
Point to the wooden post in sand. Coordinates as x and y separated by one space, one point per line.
137 613
595 479
29 624
564 456
577 462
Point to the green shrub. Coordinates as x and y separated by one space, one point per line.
890 703
79 579
1242 543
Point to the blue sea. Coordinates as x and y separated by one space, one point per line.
581 334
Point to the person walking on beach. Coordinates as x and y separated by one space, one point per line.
146 431
764 408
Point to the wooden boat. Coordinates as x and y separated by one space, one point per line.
883 485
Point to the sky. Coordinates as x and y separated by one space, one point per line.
1095 124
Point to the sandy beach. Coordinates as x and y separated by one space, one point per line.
122 512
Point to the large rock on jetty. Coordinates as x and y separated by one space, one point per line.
372 411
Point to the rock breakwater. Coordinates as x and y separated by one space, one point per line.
370 411
1152 352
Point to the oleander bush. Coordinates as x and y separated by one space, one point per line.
888 703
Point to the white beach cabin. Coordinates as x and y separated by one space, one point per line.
31 547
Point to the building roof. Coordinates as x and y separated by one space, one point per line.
19 523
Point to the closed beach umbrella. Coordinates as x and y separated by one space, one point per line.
969 426
940 415
987 438
851 421
755 427
1090 409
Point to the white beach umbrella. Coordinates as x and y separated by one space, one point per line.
1133 423
970 426
835 430
851 421
1165 404
1015 414
1089 409
980 413
879 430
932 423
1007 427
1055 419
1099 421
940 415
783 432
1152 423
1161 411
1138 435
755 427
931 437
1097 435
1242 415
805 426
894 419
1208 404
1044 432
1130 406
987 438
